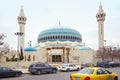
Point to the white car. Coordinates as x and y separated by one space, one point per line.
69 67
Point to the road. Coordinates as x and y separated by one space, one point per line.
58 76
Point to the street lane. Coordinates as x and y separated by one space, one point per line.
58 76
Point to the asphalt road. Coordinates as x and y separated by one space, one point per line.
57 76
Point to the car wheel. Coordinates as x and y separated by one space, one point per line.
68 70
32 73
38 72
54 71
116 78
77 69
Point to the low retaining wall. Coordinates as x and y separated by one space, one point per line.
24 65
14 65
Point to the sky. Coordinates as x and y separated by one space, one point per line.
77 14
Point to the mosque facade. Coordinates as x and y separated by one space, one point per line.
59 44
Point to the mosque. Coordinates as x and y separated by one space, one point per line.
60 44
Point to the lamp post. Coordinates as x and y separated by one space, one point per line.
18 34
104 42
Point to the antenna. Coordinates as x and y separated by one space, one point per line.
30 43
59 23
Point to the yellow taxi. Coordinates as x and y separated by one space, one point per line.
94 73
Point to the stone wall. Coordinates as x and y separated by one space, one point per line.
14 65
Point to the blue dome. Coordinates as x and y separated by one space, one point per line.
30 49
59 33
85 48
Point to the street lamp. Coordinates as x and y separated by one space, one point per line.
104 42
18 34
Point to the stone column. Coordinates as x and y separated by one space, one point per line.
47 55
63 54
67 54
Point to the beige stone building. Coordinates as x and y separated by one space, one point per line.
60 52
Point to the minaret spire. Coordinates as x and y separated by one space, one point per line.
22 21
100 9
100 19
21 11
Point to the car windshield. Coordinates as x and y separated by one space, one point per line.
86 71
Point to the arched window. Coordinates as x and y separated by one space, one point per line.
63 37
34 58
71 37
58 37
55 37
29 58
51 37
22 18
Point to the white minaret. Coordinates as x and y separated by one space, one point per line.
22 21
100 19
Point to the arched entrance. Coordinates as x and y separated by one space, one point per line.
56 58
58 54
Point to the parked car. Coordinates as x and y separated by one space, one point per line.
104 64
39 68
114 64
69 67
7 72
94 73
84 65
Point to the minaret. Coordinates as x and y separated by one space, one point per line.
100 19
22 21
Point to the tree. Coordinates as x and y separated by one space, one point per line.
101 53
116 53
4 47
109 52
119 54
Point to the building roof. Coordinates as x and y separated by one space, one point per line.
30 49
85 48
59 33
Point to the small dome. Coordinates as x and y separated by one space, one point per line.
30 49
59 33
85 48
